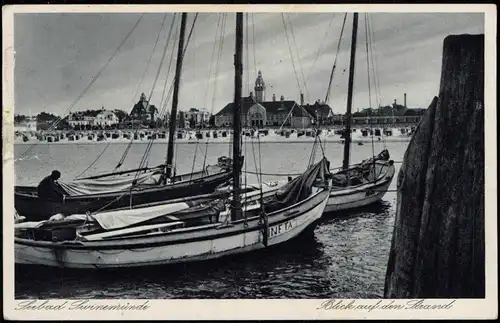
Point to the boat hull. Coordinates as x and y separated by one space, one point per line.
357 199
184 245
36 209
361 195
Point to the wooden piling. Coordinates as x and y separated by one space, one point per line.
438 243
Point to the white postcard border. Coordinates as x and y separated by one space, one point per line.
251 309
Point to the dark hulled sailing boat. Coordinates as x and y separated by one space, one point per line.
132 187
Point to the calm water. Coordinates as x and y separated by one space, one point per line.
345 256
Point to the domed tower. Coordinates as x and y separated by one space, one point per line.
260 89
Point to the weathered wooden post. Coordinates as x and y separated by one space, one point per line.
438 244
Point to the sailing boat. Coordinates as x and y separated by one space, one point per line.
132 187
172 232
364 183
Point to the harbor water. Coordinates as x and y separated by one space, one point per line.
344 257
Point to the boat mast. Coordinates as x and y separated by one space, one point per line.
175 100
347 141
238 73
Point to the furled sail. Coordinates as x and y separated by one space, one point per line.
299 188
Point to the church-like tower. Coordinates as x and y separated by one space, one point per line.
260 89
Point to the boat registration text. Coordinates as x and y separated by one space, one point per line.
280 228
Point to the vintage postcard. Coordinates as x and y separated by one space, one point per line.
249 162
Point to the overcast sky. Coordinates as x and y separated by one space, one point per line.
58 54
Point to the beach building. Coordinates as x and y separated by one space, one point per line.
78 119
197 117
320 111
143 110
366 120
106 118
257 112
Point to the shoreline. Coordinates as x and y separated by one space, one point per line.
212 141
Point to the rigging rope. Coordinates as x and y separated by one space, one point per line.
255 161
149 60
247 53
374 63
163 103
221 44
320 47
87 88
291 54
214 48
369 79
122 159
150 143
167 42
95 160
328 90
197 142
164 100
317 141
375 74
219 56
253 45
298 56
273 174
263 219
260 170
212 57
135 133
247 60
194 157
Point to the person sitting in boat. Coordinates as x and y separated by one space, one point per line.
50 189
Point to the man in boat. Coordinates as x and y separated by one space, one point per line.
50 189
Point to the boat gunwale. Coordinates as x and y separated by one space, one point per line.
143 190
383 179
111 244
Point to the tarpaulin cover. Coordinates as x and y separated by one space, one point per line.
359 173
115 219
106 185
124 218
297 189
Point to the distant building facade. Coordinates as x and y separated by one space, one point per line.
385 120
142 110
320 111
106 118
198 117
257 112
77 119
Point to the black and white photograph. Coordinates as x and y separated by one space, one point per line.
338 158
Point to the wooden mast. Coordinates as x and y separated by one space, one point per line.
175 100
238 72
347 142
